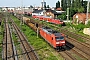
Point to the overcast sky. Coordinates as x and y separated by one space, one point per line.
17 3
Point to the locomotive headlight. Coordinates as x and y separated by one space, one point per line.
57 42
63 42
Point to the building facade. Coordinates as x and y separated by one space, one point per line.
80 18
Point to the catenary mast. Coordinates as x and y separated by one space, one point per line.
86 22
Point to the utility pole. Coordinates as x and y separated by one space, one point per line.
67 14
86 22
22 22
22 13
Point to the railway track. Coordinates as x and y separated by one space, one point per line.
79 51
28 51
84 53
9 52
72 34
78 37
67 54
71 51
79 45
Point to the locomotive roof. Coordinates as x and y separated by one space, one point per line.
57 34
49 30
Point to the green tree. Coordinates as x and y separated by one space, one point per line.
58 4
45 6
72 12
48 6
81 9
31 6
63 16
79 27
64 5
89 6
78 5
88 25
82 2
85 6
68 3
74 6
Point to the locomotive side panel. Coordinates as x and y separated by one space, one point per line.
48 38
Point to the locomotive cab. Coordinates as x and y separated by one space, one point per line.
60 42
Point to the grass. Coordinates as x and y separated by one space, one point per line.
15 39
44 50
16 43
1 37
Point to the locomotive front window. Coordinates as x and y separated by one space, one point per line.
60 38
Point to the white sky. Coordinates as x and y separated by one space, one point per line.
17 3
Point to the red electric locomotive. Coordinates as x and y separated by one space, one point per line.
54 38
